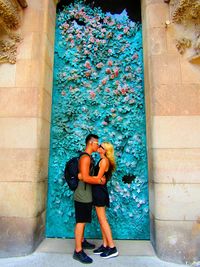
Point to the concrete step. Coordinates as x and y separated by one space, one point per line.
125 247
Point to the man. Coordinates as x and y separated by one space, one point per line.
83 197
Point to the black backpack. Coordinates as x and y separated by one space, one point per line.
71 171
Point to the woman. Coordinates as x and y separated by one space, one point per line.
105 167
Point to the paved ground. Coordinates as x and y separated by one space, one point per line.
58 253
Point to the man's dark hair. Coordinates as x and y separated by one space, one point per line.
91 136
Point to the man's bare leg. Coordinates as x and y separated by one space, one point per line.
79 231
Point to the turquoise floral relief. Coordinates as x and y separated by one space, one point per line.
98 88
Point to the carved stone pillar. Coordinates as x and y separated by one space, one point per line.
185 14
10 19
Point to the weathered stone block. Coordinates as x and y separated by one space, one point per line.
18 102
7 77
176 132
18 133
20 236
177 241
176 99
23 165
24 199
176 166
177 201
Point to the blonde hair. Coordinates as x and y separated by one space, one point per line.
110 155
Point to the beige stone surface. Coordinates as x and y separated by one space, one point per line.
43 133
18 133
23 199
24 165
18 102
28 73
165 69
190 72
177 240
156 14
48 78
44 105
25 47
157 41
176 132
49 51
176 166
32 20
20 236
7 75
177 201
176 99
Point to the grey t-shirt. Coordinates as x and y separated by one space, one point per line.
83 192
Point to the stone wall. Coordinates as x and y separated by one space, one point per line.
172 88
25 107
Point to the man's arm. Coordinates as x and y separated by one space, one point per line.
84 169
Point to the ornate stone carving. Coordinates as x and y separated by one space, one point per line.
184 10
182 44
185 14
10 19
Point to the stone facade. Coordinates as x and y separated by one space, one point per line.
172 92
172 88
25 109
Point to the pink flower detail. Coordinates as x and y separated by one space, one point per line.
104 81
112 76
110 51
87 65
110 63
104 123
116 72
107 90
123 91
99 65
126 29
92 40
88 73
108 71
92 94
63 93
135 56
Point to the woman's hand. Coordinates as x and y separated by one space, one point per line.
80 177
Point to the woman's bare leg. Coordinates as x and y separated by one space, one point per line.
105 227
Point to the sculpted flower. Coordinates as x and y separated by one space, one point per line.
110 63
87 65
99 65
135 56
63 93
116 72
88 73
92 94
126 29
104 81
108 71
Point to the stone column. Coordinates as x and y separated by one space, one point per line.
172 88
25 107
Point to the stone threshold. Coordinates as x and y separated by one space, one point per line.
125 247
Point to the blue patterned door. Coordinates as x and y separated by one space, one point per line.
98 88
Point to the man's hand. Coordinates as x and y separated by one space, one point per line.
102 180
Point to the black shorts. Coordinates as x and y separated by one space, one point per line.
83 212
